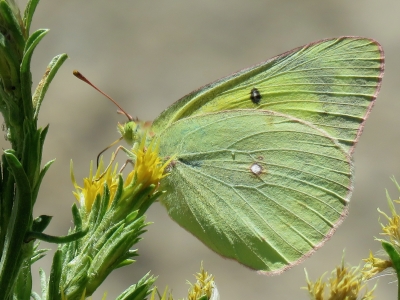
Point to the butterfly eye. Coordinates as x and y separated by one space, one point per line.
256 169
255 96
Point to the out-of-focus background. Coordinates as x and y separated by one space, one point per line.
148 54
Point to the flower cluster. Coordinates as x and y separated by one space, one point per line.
148 171
93 185
374 266
112 213
344 283
204 288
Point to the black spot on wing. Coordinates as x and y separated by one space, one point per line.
255 96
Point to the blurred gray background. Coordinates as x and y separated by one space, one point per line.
148 54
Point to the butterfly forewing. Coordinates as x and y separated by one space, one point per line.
331 83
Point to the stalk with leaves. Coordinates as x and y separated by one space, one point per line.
110 217
21 165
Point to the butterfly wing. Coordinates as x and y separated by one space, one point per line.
331 84
260 187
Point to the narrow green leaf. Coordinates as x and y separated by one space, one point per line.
38 255
94 211
114 249
77 217
33 41
12 24
25 74
393 254
139 290
7 194
118 193
42 134
124 263
28 14
70 252
104 235
131 217
8 66
23 286
30 153
55 276
40 223
43 283
74 283
149 201
105 199
43 85
395 258
35 296
39 180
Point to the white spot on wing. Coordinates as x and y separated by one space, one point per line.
256 169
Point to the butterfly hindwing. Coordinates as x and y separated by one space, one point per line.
259 187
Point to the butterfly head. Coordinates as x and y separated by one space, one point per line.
134 131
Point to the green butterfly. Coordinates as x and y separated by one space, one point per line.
262 170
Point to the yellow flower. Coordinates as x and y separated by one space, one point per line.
149 168
204 286
344 283
392 229
94 184
374 266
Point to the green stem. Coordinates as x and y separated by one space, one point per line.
12 258
56 239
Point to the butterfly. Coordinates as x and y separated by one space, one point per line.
262 168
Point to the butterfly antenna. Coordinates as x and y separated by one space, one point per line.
104 150
84 79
